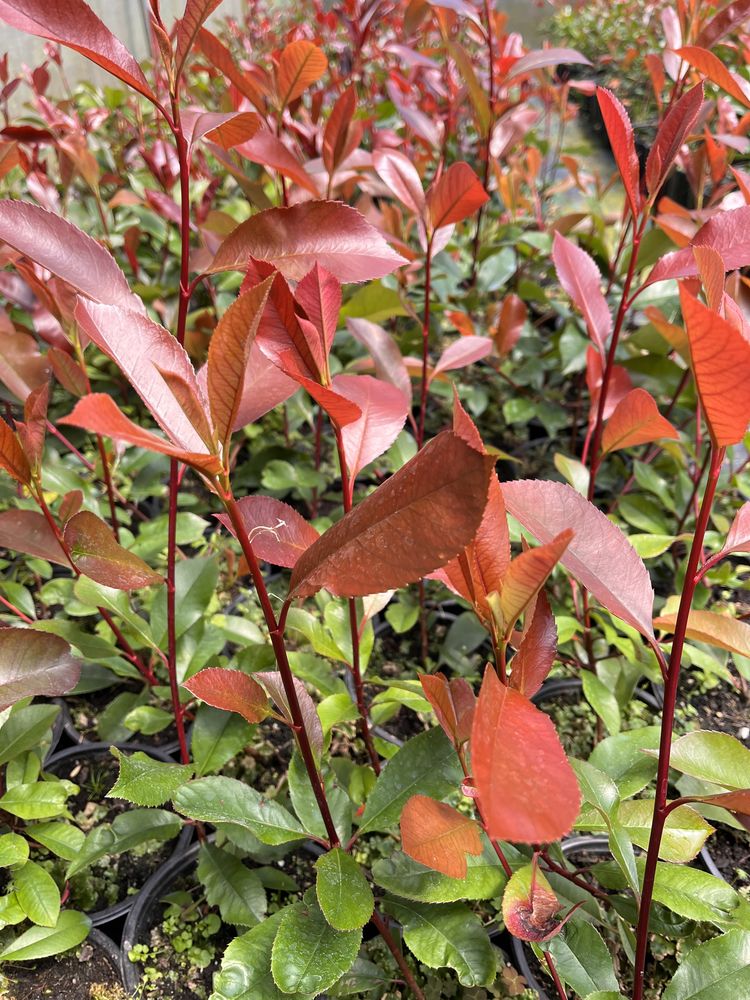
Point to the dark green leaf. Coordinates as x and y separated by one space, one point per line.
343 892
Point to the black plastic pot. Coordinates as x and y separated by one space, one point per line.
58 764
111 949
552 689
59 730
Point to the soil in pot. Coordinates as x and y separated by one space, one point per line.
90 717
730 851
88 972
721 708
112 878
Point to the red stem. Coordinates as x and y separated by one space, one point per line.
555 977
670 699
394 949
425 342
16 611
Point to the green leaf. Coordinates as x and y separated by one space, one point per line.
217 737
375 302
226 800
696 895
37 894
117 602
605 995
718 969
145 781
245 972
311 628
147 719
427 764
24 729
306 805
14 850
343 891
622 758
195 583
128 830
308 955
602 700
62 839
40 800
447 936
403 876
40 942
231 886
715 757
582 959
685 831
650 546
335 709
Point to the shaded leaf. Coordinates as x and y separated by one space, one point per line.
530 907
389 364
536 653
461 353
29 531
272 681
712 67
32 663
400 175
231 886
196 12
453 701
670 136
97 554
526 575
738 539
12 457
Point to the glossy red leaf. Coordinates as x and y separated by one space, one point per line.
278 533
720 359
536 653
636 420
228 356
712 67
273 683
295 239
226 130
415 522
400 175
265 148
527 789
300 65
735 801
526 575
28 531
455 195
672 133
712 271
389 363
738 539
74 24
67 252
34 664
727 232
453 702
100 415
12 458
383 412
336 135
97 554
600 555
544 58
319 294
620 133
143 350
265 386
438 836
580 277
463 352
230 690
196 13
290 341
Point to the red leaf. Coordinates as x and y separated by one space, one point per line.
636 420
717 27
278 533
12 458
265 386
727 232
383 413
620 133
266 149
509 328
292 343
230 690
340 410
415 522
738 539
720 359
32 664
143 350
712 67
389 364
530 907
527 789
99 414
536 654
73 23
97 554
438 836
580 277
526 575
319 294
736 801
28 531
301 64
463 352
219 57
400 175
196 12
600 555
22 366
453 702
226 130
228 356
672 133
712 271
335 136
456 195
272 682
542 58
295 239
31 433
67 252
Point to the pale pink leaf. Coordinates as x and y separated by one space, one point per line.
389 363
580 277
463 352
384 410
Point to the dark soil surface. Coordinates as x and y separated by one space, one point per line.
721 708
730 850
85 974
85 711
